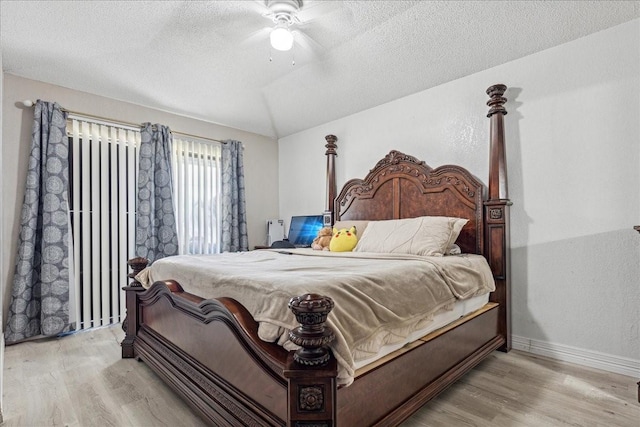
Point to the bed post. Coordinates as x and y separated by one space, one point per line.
497 213
131 323
329 213
311 371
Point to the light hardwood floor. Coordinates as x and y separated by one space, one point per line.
80 380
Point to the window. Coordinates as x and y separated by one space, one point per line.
196 183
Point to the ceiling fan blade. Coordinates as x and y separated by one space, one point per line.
312 10
260 7
258 36
308 44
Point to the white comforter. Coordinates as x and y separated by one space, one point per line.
379 298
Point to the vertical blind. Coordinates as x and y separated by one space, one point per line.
196 181
103 164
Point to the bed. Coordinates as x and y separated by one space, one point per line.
209 350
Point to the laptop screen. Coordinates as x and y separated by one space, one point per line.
303 229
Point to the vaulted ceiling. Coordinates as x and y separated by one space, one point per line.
211 59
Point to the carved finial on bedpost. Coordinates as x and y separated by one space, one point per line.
137 265
311 311
331 154
497 100
331 145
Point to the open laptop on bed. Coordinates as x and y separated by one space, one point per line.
303 229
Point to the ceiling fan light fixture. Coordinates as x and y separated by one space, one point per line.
281 38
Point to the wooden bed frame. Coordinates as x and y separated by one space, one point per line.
209 351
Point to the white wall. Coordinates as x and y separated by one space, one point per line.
573 160
260 154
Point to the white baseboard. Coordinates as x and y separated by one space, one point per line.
579 356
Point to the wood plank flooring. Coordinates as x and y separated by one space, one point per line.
80 380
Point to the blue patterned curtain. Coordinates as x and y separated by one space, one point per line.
156 233
40 296
234 213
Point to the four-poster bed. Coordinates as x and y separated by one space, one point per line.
209 351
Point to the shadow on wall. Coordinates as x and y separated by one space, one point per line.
520 221
582 292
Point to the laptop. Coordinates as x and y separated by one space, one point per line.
303 229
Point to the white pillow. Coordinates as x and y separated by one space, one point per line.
425 235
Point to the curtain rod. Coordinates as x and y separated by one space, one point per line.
28 103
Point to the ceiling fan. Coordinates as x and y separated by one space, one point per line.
288 17
283 13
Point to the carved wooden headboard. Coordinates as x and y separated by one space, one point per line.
401 186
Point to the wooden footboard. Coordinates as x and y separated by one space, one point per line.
209 352
203 353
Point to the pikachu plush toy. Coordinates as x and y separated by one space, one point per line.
343 240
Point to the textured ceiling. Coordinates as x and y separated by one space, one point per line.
210 60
